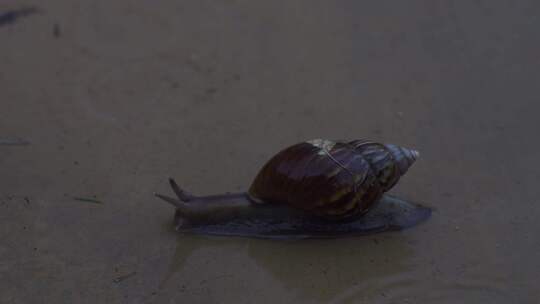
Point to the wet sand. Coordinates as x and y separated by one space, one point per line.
112 98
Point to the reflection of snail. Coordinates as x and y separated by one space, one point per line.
318 188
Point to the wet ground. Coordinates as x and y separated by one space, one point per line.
101 101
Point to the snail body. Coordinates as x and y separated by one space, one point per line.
317 188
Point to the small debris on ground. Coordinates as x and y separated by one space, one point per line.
13 141
56 31
87 199
121 278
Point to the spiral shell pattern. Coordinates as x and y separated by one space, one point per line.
336 180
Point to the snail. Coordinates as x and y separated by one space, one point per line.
314 189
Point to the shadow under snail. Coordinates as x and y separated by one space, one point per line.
314 189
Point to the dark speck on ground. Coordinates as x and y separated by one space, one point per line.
56 31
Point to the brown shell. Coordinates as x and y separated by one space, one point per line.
333 179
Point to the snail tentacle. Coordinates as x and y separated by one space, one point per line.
186 197
183 208
206 208
182 204
182 195
170 200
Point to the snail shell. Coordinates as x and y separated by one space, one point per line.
335 180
